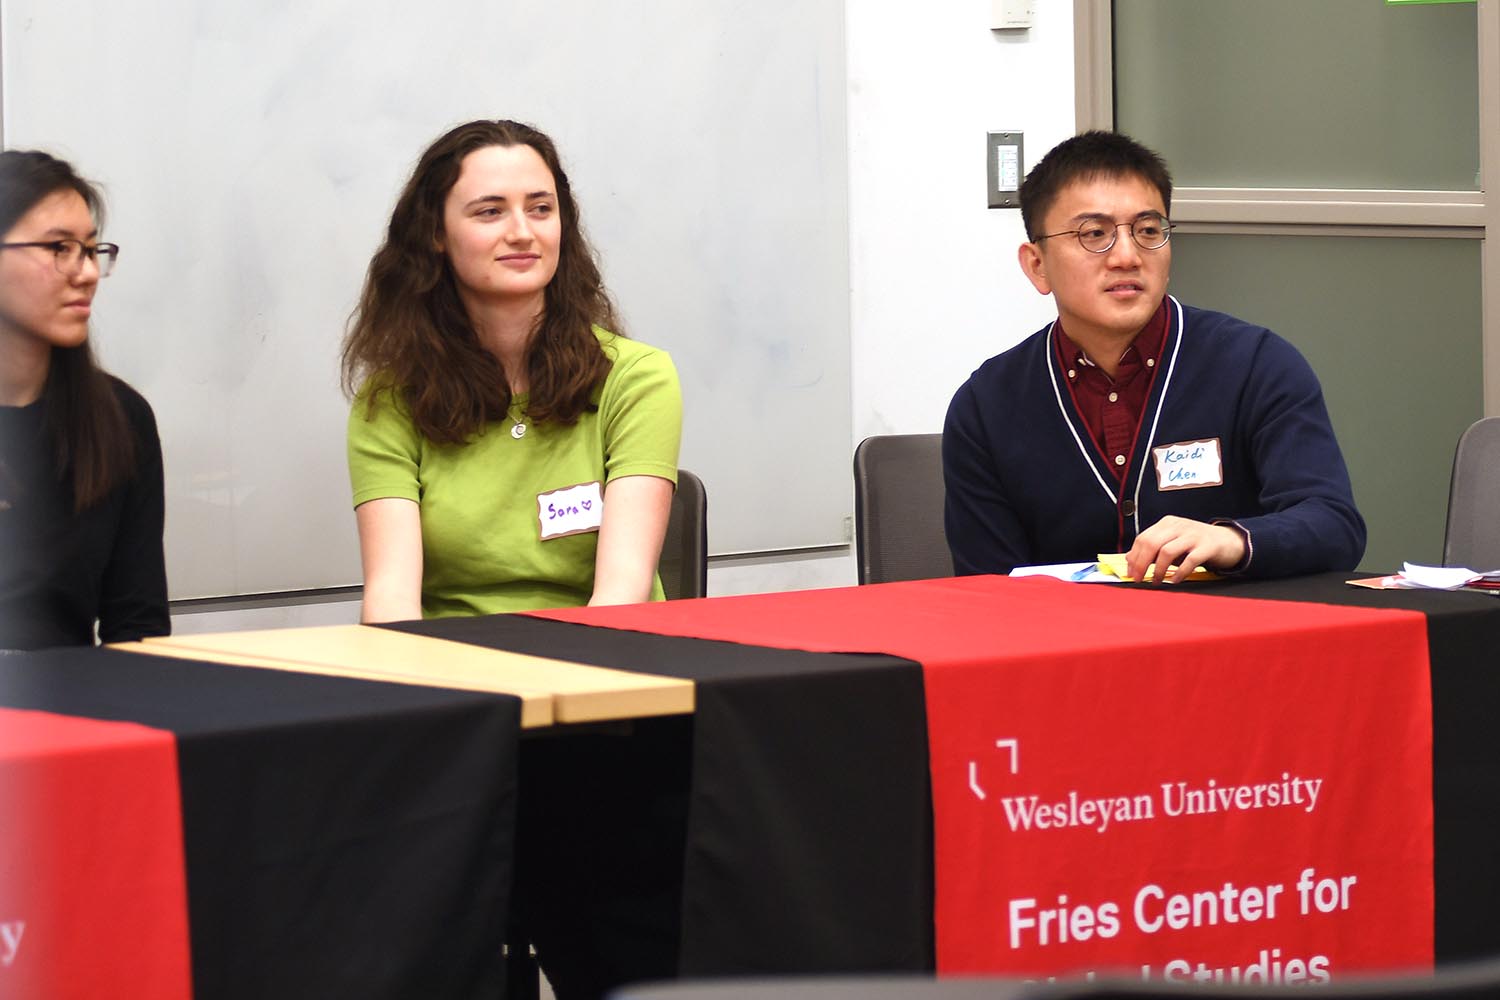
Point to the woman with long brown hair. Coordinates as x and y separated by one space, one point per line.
81 504
508 447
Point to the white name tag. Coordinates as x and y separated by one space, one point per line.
1188 465
571 510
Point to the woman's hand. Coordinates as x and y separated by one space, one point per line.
635 522
390 548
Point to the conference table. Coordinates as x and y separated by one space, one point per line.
826 800
176 828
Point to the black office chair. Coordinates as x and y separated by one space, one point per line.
898 508
1468 981
1473 535
1453 982
890 986
684 554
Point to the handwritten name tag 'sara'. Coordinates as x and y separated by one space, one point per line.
571 510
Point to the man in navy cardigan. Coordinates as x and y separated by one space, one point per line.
1134 423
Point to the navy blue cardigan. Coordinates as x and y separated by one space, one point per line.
1026 485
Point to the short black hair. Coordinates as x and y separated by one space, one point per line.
1084 157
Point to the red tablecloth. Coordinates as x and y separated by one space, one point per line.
1221 788
93 900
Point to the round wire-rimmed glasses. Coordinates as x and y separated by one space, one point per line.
1097 235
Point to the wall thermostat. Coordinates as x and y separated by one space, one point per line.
1005 169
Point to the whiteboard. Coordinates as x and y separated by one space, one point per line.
251 151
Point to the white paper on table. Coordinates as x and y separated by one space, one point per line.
1437 577
1079 572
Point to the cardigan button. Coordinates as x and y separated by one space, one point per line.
1128 508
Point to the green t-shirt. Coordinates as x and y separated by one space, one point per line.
482 550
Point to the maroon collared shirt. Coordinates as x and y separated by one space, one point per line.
1112 407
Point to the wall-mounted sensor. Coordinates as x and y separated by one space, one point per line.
1011 15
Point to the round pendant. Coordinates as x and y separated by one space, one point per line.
518 431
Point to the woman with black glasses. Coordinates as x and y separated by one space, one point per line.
80 463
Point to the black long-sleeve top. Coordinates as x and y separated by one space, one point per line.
60 571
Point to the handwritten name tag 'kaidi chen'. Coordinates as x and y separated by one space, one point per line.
1188 465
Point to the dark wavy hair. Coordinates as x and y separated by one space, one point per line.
1084 157
82 417
411 334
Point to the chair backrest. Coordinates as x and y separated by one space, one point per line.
684 554
1468 981
1473 535
898 508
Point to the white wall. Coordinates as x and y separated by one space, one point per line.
934 285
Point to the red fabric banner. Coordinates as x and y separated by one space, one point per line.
93 898
1206 789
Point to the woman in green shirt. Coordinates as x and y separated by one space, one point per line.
508 448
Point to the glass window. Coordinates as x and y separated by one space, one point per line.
1292 93
1392 327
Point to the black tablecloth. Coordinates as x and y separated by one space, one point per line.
342 838
809 841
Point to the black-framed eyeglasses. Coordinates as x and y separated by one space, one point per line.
1150 232
68 255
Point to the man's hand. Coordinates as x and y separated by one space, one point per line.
1186 544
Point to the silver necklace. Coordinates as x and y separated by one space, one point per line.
518 429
